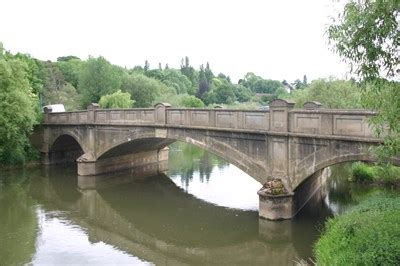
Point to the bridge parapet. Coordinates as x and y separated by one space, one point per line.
280 118
332 122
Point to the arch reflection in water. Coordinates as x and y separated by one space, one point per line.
155 220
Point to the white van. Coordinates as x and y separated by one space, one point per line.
54 108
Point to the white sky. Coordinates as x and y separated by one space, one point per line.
278 39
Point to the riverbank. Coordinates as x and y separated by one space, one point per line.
375 174
366 234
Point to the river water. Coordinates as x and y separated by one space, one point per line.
202 211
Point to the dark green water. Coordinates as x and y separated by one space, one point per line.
202 211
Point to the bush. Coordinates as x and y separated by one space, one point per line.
368 234
362 173
191 101
388 174
383 174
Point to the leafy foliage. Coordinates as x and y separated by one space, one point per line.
144 90
362 173
330 93
116 100
260 85
367 36
191 101
382 174
71 69
18 109
221 92
98 78
384 97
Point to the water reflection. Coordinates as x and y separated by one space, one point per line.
228 187
186 161
206 214
18 223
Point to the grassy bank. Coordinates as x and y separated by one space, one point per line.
367 234
386 175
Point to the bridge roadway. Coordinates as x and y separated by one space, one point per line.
279 143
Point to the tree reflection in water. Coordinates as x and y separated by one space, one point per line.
187 161
18 222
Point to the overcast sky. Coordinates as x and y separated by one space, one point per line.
278 39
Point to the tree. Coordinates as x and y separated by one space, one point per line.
221 92
298 84
118 99
330 93
146 66
208 73
180 83
98 78
367 36
260 85
143 90
189 72
305 83
71 69
242 93
67 58
17 105
204 86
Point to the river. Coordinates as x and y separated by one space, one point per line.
201 211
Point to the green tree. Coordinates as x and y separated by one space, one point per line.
98 78
71 69
143 90
305 82
260 85
242 93
180 83
67 58
118 99
189 72
204 86
366 35
33 72
17 105
221 92
330 93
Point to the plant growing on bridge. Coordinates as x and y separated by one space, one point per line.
117 99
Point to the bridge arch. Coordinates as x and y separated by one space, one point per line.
65 147
223 150
329 156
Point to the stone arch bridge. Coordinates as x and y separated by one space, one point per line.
282 142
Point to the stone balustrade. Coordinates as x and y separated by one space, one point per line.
280 118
